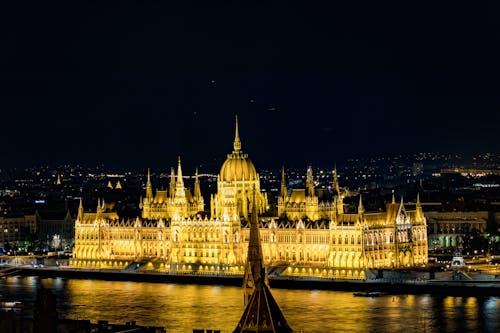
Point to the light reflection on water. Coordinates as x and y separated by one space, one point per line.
180 308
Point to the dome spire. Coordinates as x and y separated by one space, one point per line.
237 142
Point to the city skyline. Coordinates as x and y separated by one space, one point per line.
138 85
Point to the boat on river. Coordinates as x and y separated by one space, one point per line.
369 293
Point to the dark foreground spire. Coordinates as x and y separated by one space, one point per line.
262 313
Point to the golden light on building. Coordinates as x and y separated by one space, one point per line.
310 237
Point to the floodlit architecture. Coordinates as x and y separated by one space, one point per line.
312 236
310 203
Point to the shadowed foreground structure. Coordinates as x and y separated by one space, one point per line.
262 313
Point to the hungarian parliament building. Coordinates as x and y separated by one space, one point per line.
309 237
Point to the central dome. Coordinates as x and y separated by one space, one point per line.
237 166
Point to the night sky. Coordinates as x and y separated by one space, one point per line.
133 84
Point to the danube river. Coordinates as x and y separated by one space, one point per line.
182 308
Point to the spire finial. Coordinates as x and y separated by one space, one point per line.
284 191
418 198
393 198
149 188
80 210
336 180
310 181
172 182
237 142
179 172
361 209
197 191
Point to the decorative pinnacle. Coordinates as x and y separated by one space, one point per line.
237 142
361 209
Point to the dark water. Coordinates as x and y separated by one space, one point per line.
180 308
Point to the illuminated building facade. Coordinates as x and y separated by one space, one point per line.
309 238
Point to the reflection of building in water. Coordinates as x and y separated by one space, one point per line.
312 236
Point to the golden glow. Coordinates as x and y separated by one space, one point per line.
172 237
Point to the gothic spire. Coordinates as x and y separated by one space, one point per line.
254 269
237 142
284 191
172 183
149 187
262 313
336 180
196 191
179 185
361 209
309 182
80 210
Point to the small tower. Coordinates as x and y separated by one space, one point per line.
58 181
419 213
80 211
196 190
339 202
336 181
310 182
118 185
284 191
171 187
110 186
98 214
179 184
361 208
149 188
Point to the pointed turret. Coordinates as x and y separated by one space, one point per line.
237 142
361 209
419 214
179 184
401 217
393 201
58 181
336 181
196 191
284 191
110 185
80 210
171 189
309 182
98 209
118 185
149 187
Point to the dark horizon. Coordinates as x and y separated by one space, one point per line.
138 84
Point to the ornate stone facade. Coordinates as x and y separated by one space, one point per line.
309 237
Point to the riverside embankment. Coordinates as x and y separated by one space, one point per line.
387 281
